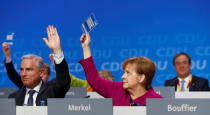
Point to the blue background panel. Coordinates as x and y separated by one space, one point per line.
157 29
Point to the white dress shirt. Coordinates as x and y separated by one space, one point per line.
37 88
187 79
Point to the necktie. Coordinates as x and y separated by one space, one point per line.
182 87
30 99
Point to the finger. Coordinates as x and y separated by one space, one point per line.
51 59
46 41
82 39
87 35
51 30
50 56
56 32
4 44
48 32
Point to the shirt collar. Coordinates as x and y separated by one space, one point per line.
37 88
185 79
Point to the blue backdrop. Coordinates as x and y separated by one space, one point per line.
157 29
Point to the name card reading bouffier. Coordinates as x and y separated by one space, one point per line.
182 108
178 106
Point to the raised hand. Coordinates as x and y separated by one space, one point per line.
85 41
53 41
6 50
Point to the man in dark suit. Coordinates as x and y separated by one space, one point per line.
185 81
32 68
13 74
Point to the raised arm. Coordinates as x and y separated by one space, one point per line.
53 41
85 41
75 82
6 50
100 85
11 72
61 67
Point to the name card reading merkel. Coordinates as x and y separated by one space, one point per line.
178 106
75 106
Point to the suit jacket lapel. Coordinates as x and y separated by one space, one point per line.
174 83
192 84
40 94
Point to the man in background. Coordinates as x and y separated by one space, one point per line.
185 81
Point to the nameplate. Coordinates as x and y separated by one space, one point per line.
129 110
76 92
178 106
74 106
31 110
7 106
166 92
193 94
5 92
94 95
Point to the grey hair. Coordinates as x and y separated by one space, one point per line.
39 61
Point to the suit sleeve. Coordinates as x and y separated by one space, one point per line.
13 75
63 80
